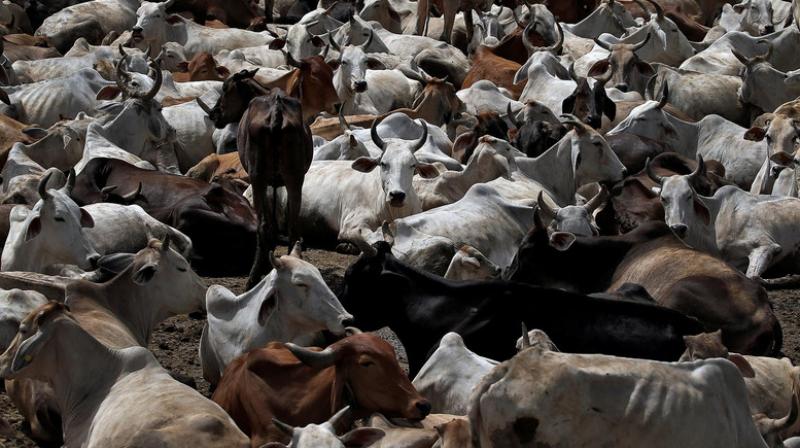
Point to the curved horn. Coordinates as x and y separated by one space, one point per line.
526 340
333 43
130 197
369 40
203 106
349 331
598 200
700 170
374 134
516 18
545 208
338 416
342 122
325 52
511 116
291 60
70 182
297 249
664 96
573 121
602 44
165 242
330 8
43 185
641 44
317 360
644 8
423 138
653 176
156 83
555 48
285 428
658 8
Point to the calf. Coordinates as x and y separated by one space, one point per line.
300 386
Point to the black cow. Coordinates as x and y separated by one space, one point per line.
421 308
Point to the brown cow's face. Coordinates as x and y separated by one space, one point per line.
203 68
317 82
236 96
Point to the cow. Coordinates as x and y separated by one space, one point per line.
291 302
491 332
769 381
117 375
575 219
717 58
486 65
740 308
449 375
522 402
469 263
363 364
623 68
16 305
609 17
777 173
234 13
534 135
219 166
449 9
750 232
324 435
202 67
92 20
762 85
216 219
713 137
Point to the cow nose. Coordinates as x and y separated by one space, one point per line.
137 29
622 87
397 196
624 172
93 260
769 29
361 86
679 230
424 407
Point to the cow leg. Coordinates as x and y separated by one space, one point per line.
261 262
449 14
294 197
423 10
468 23
760 259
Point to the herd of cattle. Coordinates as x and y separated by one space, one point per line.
619 176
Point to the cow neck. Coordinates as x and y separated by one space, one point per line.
84 370
553 170
177 32
473 173
135 142
687 135
704 236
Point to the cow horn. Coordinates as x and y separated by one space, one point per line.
369 40
291 60
297 249
653 176
658 8
130 197
275 261
43 193
285 428
516 18
156 83
122 51
526 341
602 44
350 331
423 138
203 106
664 96
555 48
108 189
374 134
343 122
325 52
166 242
572 120
334 421
545 208
317 360
700 170
511 116
70 181
330 8
641 44
333 43
598 200
644 8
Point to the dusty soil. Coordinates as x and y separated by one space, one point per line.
175 342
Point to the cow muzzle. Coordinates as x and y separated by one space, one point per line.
422 408
397 198
360 86
137 34
679 230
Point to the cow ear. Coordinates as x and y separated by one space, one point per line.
86 219
609 107
334 64
568 105
562 241
145 273
34 132
599 68
174 18
277 44
267 307
353 141
182 67
362 437
702 211
364 164
317 41
374 64
108 93
646 69
223 71
426 170
33 228
741 363
755 134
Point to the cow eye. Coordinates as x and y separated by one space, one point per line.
366 363
384 165
59 219
181 269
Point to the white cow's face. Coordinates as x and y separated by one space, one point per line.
352 71
305 298
682 209
647 120
574 219
151 24
751 16
592 158
141 117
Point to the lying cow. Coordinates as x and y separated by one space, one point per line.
324 435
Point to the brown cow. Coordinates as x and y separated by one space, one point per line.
219 166
300 386
24 47
202 67
234 13
487 65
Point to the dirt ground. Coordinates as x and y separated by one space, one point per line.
175 342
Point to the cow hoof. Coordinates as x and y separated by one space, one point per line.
348 249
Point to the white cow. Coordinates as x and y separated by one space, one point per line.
470 264
324 435
545 398
717 58
291 302
448 377
86 20
15 305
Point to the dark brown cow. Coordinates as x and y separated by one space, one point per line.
299 386
218 220
234 13
202 67
276 150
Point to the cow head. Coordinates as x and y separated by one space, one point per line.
592 158
575 219
470 264
750 16
590 104
685 212
324 435
50 233
539 27
171 56
669 45
41 336
313 83
782 132
759 79
351 67
438 101
623 68
203 67
368 365
397 165
383 12
650 120
306 301
152 24
237 91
